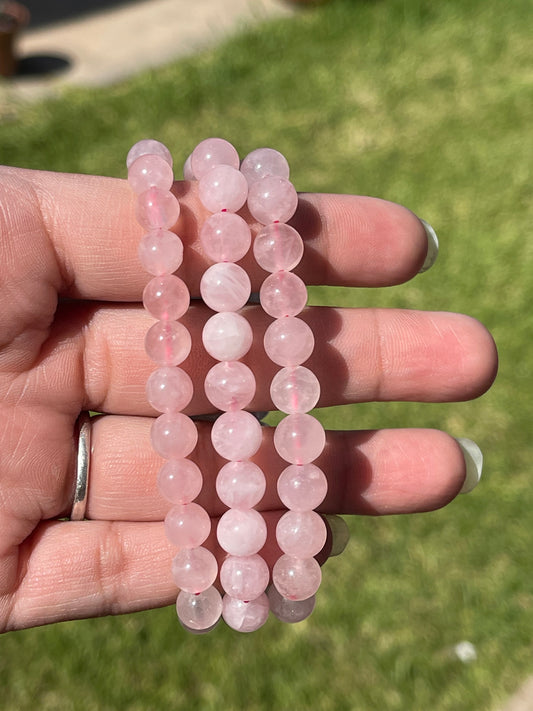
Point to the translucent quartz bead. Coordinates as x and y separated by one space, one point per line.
225 237
264 162
169 389
289 610
302 487
283 294
150 171
166 297
227 336
240 485
295 389
244 577
230 385
278 246
161 252
241 532
174 435
301 533
225 287
272 199
211 152
299 439
148 146
157 208
187 169
245 616
179 481
199 612
236 435
223 188
289 341
296 578
194 569
187 525
168 342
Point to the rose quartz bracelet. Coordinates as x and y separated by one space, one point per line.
224 186
299 438
169 389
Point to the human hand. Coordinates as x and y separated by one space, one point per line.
72 331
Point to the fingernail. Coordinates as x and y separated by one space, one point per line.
474 464
340 533
433 246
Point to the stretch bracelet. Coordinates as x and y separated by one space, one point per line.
224 186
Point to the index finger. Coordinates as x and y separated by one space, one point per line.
90 220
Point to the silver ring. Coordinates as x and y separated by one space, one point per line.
79 502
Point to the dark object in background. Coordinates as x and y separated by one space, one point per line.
13 18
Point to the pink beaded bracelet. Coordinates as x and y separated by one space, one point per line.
224 186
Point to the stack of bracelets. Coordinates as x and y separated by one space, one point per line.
225 185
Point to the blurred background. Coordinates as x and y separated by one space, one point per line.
422 103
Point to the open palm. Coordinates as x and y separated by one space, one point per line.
71 339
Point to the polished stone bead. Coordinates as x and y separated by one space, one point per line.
302 487
194 569
241 532
295 389
199 612
296 578
187 525
236 435
245 616
299 439
230 385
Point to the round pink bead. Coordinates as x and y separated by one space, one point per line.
166 297
240 485
283 294
241 532
296 578
169 389
236 435
301 533
150 171
272 199
223 188
174 435
211 152
299 439
302 487
148 146
230 385
179 481
157 208
225 237
289 341
161 252
188 173
295 389
290 610
225 287
187 525
194 569
168 342
264 162
199 612
244 577
245 616
278 246
227 336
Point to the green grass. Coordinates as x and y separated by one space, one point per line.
428 104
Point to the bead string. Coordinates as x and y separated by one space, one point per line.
169 388
299 438
230 385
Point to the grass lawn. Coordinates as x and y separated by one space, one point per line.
424 103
